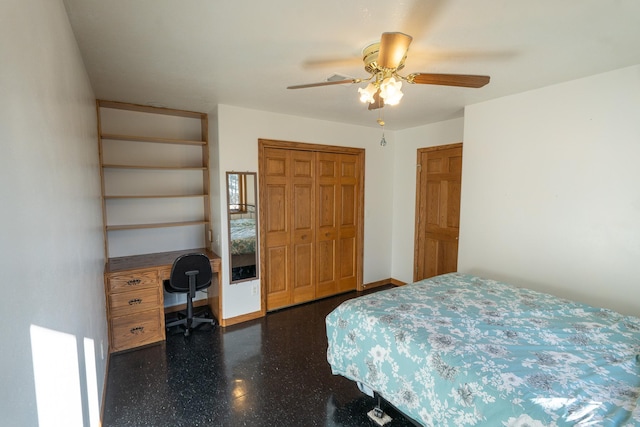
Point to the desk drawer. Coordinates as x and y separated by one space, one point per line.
137 329
130 281
123 303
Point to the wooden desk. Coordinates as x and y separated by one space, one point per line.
135 296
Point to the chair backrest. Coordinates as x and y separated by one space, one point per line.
179 281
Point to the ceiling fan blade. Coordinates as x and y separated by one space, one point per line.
393 48
378 102
352 61
337 82
462 80
422 16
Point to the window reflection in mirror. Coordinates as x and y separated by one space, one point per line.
242 213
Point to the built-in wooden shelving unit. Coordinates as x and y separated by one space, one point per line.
116 190
156 207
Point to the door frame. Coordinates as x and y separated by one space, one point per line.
290 145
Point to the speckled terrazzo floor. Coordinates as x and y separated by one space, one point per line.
267 372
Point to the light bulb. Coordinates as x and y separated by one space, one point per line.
366 94
390 91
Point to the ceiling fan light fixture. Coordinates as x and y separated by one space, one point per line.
367 93
382 61
390 91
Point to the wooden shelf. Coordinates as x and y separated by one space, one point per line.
150 109
142 167
156 225
151 139
147 196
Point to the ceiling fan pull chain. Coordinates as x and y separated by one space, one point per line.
380 121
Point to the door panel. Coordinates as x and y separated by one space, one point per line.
347 281
326 262
277 196
328 206
440 253
277 277
276 228
303 226
437 211
349 201
303 283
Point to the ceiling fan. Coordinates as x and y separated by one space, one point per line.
383 60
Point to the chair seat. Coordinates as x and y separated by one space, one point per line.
190 273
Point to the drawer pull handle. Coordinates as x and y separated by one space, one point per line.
135 301
137 330
133 282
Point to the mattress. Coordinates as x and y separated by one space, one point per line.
458 350
243 236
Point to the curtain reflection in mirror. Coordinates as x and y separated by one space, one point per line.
237 193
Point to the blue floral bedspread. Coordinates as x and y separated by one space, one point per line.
243 236
458 350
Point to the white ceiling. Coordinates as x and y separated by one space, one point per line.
196 54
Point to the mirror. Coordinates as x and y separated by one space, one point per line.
242 213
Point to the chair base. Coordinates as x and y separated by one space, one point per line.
189 324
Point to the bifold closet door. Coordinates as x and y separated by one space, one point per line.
289 227
311 200
328 201
276 227
302 220
337 201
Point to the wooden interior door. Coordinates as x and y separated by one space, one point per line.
328 206
302 226
337 207
347 222
289 226
438 188
276 227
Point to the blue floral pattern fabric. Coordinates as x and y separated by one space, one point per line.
243 236
458 350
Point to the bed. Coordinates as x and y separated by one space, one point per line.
242 246
458 350
243 236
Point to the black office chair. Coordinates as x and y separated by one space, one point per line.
190 273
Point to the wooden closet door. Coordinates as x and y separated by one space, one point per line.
327 237
290 227
277 256
302 226
338 201
311 221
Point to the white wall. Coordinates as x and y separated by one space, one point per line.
217 190
408 141
51 252
551 190
238 132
